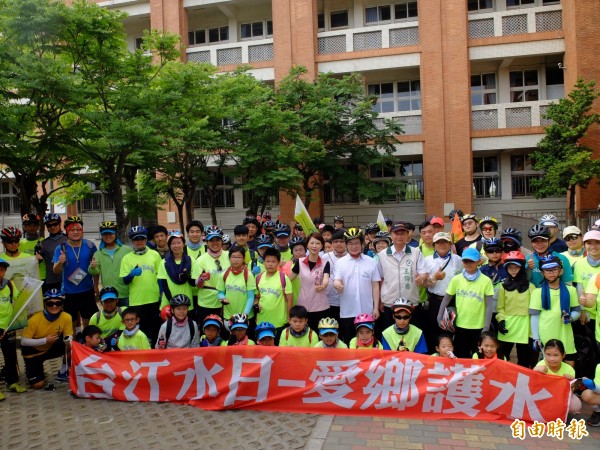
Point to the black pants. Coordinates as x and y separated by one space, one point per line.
149 320
465 342
9 351
523 353
431 329
347 330
334 312
34 365
384 321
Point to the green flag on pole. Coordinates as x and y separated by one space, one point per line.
303 218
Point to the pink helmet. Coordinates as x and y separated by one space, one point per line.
364 320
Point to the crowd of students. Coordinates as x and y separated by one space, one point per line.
340 287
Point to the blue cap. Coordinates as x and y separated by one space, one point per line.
282 233
266 333
108 296
368 325
209 236
4 263
239 325
323 331
107 231
550 265
212 322
471 254
516 263
266 244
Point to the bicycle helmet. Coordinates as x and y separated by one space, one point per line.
73 219
364 320
297 240
212 231
549 220
138 231
282 229
212 319
180 300
403 303
469 216
108 227
382 236
298 227
490 221
338 219
266 216
515 257
489 244
252 220
455 212
354 233
328 325
31 218
51 294
372 228
52 216
108 293
264 329
269 226
175 234
513 234
10 233
238 321
226 239
550 262
264 240
538 231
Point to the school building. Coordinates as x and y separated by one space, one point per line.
469 80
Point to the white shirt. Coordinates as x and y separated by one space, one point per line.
358 276
454 267
332 295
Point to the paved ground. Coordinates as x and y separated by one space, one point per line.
51 420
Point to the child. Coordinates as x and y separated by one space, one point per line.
274 298
402 336
8 339
109 320
92 338
239 327
553 307
328 332
552 364
262 242
298 334
444 346
474 304
494 269
179 331
381 242
513 309
591 396
298 247
365 336
211 326
236 285
487 347
265 334
132 338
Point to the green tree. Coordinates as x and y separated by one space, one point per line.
566 162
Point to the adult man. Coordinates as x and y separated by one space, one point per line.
55 238
333 257
574 240
427 230
411 234
195 247
106 263
72 261
469 225
159 237
551 222
402 269
253 230
139 270
437 223
30 244
357 282
540 241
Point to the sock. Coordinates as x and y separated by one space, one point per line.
63 368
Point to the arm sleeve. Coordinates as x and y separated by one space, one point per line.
489 310
249 301
128 279
535 325
31 342
500 305
163 286
296 268
443 306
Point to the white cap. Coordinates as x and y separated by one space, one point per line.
571 230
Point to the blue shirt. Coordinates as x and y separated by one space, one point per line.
536 274
77 258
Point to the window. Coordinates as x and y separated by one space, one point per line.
138 42
555 82
249 197
330 195
521 170
480 5
486 177
197 37
224 197
220 34
96 201
405 11
339 19
524 86
256 29
517 3
378 14
409 177
9 198
321 21
394 97
483 89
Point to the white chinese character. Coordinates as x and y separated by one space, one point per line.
203 377
84 373
262 379
330 382
398 389
522 396
151 377
436 384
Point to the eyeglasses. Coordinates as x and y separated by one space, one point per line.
487 228
54 304
496 250
133 319
218 264
572 237
52 225
402 317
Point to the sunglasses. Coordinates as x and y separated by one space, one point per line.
572 237
218 264
487 228
402 317
496 250
52 225
54 304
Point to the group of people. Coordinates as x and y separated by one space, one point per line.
340 287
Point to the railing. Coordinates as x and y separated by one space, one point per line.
368 38
510 115
233 53
517 21
411 123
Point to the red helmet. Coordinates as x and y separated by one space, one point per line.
8 233
515 257
165 313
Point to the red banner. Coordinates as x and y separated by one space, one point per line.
323 381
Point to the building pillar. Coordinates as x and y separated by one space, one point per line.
170 16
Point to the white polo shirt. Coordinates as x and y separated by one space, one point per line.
454 267
358 276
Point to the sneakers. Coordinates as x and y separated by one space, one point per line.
62 377
594 420
16 388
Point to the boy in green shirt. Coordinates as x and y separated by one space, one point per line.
109 320
298 334
132 338
274 298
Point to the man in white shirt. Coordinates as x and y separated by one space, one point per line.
338 252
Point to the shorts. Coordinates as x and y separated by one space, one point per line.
34 366
83 303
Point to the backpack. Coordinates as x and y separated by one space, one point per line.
228 271
281 278
310 334
97 315
585 358
170 328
